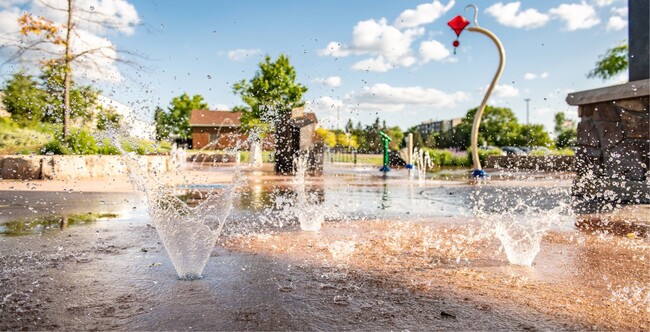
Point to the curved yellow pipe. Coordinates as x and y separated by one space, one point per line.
479 113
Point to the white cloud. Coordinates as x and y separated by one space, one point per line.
382 96
616 23
334 49
113 15
12 3
532 76
422 14
603 3
619 11
377 64
324 104
242 54
576 16
9 23
333 81
504 90
93 20
511 16
433 50
389 47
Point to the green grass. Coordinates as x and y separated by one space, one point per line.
553 152
16 140
45 138
363 159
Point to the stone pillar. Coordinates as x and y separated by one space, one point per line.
284 147
613 153
638 39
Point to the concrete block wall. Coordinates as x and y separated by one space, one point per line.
74 167
613 155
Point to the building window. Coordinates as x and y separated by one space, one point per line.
214 138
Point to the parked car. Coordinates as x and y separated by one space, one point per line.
525 149
511 150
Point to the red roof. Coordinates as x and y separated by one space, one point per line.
207 118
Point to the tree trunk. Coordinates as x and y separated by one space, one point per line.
67 73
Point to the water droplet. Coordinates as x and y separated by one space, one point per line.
92 8
209 77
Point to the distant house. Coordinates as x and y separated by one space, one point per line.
427 127
218 130
215 129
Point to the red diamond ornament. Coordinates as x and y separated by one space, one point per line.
458 24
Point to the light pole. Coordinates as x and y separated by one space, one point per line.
458 24
527 100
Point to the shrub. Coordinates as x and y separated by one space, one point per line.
106 148
443 157
55 147
15 140
80 141
483 154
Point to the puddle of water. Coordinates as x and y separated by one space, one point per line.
39 225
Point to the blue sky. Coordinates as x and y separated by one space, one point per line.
360 59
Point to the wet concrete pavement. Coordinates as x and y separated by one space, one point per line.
419 270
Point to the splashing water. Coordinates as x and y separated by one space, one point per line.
519 225
635 296
177 158
422 163
310 216
255 154
342 250
188 233
520 239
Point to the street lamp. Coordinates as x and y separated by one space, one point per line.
458 24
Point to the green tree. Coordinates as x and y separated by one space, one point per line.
397 136
24 99
533 135
329 138
108 118
347 141
175 122
614 61
564 136
82 99
499 127
349 126
417 138
432 140
559 120
161 123
55 45
271 94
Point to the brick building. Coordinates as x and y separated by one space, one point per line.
427 127
215 129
